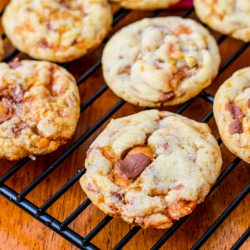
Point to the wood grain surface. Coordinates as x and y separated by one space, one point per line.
19 230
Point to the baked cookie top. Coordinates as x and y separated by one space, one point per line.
230 17
57 30
151 168
39 108
146 4
160 61
232 113
1 49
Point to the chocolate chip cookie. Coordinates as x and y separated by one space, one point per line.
231 17
232 113
151 168
39 108
146 4
160 61
57 30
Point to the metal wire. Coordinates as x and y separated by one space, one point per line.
46 219
117 17
241 240
70 150
172 230
73 215
62 227
98 228
127 238
61 191
222 217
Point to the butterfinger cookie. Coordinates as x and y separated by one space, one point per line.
232 113
160 61
39 108
151 168
57 30
229 17
146 4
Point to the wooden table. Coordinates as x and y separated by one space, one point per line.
20 231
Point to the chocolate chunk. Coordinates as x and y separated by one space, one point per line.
15 63
43 43
133 165
65 4
14 93
248 103
4 93
117 195
9 114
167 96
17 93
236 127
237 115
235 111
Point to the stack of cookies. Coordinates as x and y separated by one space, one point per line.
150 168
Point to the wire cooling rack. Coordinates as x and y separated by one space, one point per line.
62 227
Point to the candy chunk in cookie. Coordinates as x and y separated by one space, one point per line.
151 168
133 164
237 115
160 61
146 4
232 113
39 108
231 17
55 30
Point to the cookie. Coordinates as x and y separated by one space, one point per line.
55 30
226 16
146 4
3 3
232 113
1 49
160 61
151 168
39 108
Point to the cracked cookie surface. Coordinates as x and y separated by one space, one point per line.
151 168
57 30
231 17
232 113
39 108
160 61
146 4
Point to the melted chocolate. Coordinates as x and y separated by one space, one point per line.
236 127
133 165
